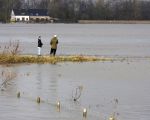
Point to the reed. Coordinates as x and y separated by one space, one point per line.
10 55
13 59
13 48
76 94
6 76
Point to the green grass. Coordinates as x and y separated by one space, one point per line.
14 59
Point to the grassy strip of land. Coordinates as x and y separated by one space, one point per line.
114 21
14 59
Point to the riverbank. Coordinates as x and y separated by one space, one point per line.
89 22
114 21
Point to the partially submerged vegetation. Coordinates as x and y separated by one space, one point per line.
6 76
11 59
10 55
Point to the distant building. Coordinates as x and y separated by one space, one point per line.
38 15
19 16
30 15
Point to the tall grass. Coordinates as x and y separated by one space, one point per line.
4 59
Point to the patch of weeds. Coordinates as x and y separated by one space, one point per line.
6 76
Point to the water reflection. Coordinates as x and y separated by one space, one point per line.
102 84
53 83
39 77
45 78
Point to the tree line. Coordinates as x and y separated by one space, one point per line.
81 9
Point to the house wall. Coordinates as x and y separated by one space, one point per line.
13 19
22 18
40 17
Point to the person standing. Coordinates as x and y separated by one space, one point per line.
53 44
40 44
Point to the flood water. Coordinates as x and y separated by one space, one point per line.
120 87
87 39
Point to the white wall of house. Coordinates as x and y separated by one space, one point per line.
22 18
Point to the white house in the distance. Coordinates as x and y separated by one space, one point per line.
19 16
30 15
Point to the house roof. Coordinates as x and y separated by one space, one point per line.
38 12
31 12
21 12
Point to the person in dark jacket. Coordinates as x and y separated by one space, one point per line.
53 43
40 44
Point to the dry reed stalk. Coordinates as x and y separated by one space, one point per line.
76 94
6 76
13 48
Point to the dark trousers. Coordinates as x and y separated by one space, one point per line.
53 51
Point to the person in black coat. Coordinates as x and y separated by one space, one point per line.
40 44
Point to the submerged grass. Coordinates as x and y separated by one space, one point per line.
10 55
13 59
